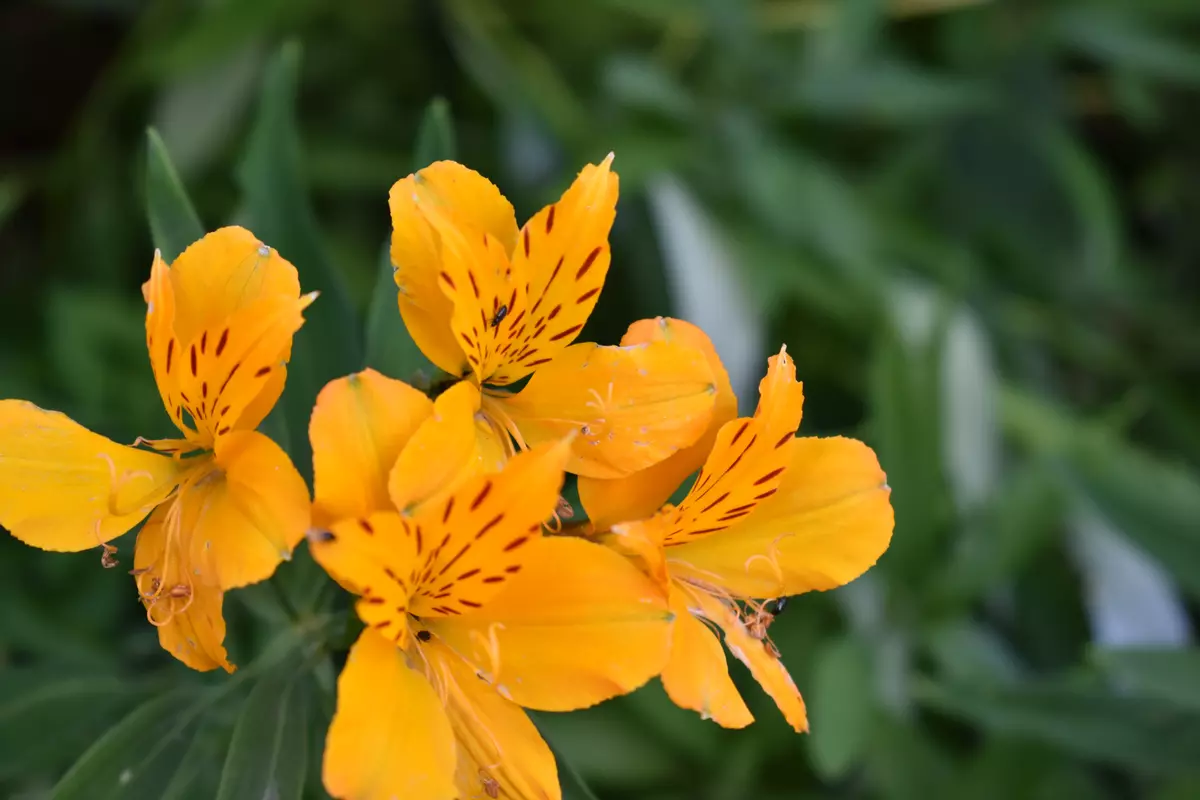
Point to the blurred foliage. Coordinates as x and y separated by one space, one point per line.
974 224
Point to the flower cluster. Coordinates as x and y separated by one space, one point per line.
479 594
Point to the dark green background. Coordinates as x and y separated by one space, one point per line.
975 224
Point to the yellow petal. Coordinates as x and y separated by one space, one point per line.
487 292
378 557
223 273
480 535
229 376
747 461
632 406
696 676
766 668
829 522
191 626
447 448
639 495
160 335
472 202
563 252
390 736
245 517
579 624
65 488
499 749
358 428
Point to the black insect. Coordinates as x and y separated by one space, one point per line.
499 316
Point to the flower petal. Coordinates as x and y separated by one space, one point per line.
247 516
485 289
634 406
378 557
223 273
190 627
499 749
578 625
359 426
480 534
563 252
471 201
390 736
747 461
766 668
449 447
829 522
65 488
696 676
639 495
452 557
229 376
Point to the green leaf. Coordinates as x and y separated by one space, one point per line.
278 210
390 347
267 757
1169 675
435 136
842 706
136 757
905 428
195 777
46 717
1141 735
174 223
1155 503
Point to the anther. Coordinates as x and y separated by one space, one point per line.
106 558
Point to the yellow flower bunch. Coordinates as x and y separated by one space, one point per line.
444 515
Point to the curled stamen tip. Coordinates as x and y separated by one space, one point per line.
320 535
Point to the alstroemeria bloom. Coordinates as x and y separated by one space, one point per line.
225 503
769 515
494 304
471 613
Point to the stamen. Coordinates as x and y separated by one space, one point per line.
493 409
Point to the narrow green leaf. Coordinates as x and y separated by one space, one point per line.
267 757
196 777
435 136
278 210
1139 734
390 347
174 223
133 758
842 706
1169 675
47 718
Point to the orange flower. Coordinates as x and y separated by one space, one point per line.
471 613
227 503
769 515
487 301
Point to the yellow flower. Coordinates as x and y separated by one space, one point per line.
769 515
495 304
471 613
227 503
